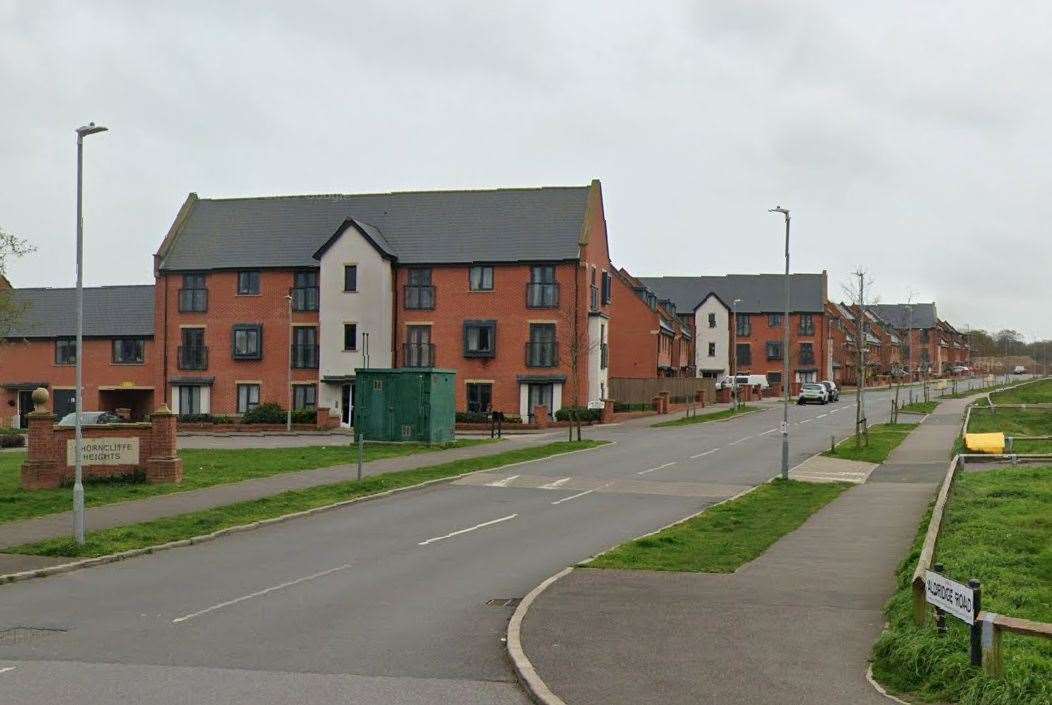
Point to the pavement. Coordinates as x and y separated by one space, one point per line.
794 626
404 599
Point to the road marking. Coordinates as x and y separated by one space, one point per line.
703 454
260 593
773 430
835 410
502 483
807 421
740 440
581 494
555 485
659 467
9 668
450 535
821 416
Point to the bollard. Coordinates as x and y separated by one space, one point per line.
832 444
361 452
940 616
977 626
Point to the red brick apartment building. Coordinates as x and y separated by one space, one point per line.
40 351
645 320
512 288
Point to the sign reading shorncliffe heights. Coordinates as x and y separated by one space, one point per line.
104 451
951 597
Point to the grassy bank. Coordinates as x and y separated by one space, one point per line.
1040 392
152 533
997 529
723 538
1015 422
201 468
883 439
703 418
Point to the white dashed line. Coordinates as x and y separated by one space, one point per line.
555 485
807 421
464 531
659 467
740 440
581 494
821 416
502 483
773 430
699 455
9 668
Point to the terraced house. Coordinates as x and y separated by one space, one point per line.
512 288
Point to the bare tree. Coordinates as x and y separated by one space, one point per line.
10 246
856 293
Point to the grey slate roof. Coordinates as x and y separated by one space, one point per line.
109 312
759 293
923 315
431 227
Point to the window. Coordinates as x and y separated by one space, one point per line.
480 278
542 350
248 341
604 349
542 291
712 349
419 351
247 397
419 293
193 297
480 397
304 397
712 320
305 291
128 351
807 353
247 283
350 336
774 320
189 400
608 287
480 338
65 351
774 378
744 354
540 395
193 354
807 324
774 351
743 325
350 277
304 347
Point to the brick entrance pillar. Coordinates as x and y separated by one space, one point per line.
163 465
540 416
40 471
608 411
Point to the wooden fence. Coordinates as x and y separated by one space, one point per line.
625 390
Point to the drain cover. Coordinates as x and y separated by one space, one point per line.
502 602
19 635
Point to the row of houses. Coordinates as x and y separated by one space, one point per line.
283 298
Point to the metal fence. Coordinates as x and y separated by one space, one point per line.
626 390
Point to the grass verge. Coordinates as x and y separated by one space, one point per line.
883 438
722 539
998 529
152 533
201 468
703 418
920 407
1015 422
1039 392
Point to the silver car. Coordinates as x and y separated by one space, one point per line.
89 418
813 392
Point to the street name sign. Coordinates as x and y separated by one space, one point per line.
949 596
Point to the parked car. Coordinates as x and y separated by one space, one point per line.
89 418
1019 370
960 370
831 390
813 392
743 381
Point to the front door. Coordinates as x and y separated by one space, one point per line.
25 405
541 395
65 402
347 405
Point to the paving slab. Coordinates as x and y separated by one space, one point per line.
820 468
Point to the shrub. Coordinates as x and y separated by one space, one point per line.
583 414
632 407
196 418
484 417
12 440
222 419
264 413
305 416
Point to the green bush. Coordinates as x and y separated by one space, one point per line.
632 407
305 416
484 417
12 440
195 418
583 414
264 413
222 419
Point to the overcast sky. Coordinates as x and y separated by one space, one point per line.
910 138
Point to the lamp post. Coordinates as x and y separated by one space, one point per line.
78 483
292 345
734 352
785 351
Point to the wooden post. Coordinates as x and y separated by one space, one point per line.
920 602
993 664
977 626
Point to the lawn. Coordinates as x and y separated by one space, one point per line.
883 438
920 407
1015 422
703 418
201 468
124 538
1039 392
722 539
998 529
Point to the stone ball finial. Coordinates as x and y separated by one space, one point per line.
40 399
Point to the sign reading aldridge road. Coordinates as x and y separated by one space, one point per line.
104 451
952 598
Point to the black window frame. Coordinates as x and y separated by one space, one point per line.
256 328
420 293
490 326
742 325
542 290
739 359
253 276
303 351
542 350
305 292
300 396
608 287
712 349
807 324
482 270
353 327
773 349
249 404
196 285
118 343
192 392
483 397
350 278
712 320
807 353
68 346
774 320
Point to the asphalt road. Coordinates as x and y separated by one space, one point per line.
386 601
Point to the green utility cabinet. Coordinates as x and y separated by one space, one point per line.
405 404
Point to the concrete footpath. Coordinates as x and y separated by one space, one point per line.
135 511
794 627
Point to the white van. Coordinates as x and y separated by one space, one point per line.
744 381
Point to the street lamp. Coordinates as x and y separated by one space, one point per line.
78 483
734 351
785 351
